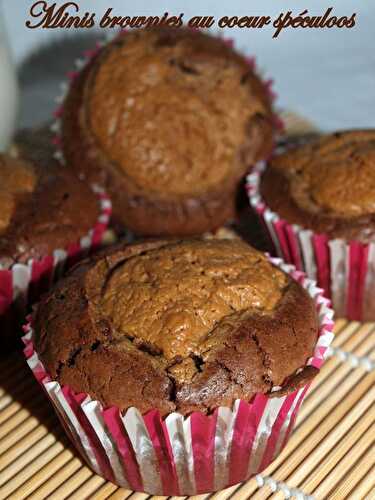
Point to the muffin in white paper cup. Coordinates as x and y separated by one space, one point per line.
332 238
175 453
49 221
152 133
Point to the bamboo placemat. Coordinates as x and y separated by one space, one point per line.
331 454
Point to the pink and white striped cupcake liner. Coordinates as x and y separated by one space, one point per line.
180 455
21 285
345 270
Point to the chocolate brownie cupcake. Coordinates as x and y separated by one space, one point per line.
169 120
48 218
327 185
318 202
177 326
42 208
178 367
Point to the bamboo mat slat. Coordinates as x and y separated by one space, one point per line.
331 454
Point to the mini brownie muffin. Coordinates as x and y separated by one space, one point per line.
43 207
327 185
317 201
177 325
169 121
48 220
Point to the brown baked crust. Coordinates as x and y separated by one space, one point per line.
255 349
191 199
327 185
55 211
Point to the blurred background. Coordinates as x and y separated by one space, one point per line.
326 75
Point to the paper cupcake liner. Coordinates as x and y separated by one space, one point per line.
22 284
80 64
181 455
345 270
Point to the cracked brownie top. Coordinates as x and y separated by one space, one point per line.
165 105
327 184
177 325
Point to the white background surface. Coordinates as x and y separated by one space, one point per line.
328 75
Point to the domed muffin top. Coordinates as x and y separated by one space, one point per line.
43 206
327 184
172 297
177 325
176 110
